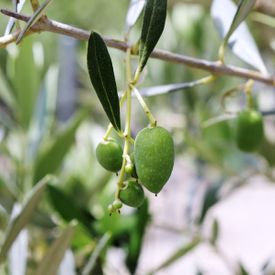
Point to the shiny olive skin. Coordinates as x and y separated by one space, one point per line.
154 157
249 130
132 194
109 155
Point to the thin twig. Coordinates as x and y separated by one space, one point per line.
211 66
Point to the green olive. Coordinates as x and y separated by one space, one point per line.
109 155
132 194
154 157
249 130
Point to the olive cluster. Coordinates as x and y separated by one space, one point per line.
149 165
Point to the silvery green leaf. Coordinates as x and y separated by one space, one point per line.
165 89
17 6
17 223
225 15
51 261
34 18
134 11
18 254
88 268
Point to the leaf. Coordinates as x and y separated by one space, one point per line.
165 89
34 18
228 19
18 223
51 261
136 237
134 11
6 92
50 158
17 6
60 201
215 232
25 77
245 6
89 267
242 270
152 28
210 198
176 255
102 77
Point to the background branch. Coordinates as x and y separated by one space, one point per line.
60 28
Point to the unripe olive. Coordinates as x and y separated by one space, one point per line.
154 157
132 194
109 155
117 204
250 130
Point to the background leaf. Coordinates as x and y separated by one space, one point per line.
134 11
102 77
136 237
17 6
25 78
18 223
60 201
51 157
176 255
241 42
51 261
152 28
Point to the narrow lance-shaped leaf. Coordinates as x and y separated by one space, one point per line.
50 159
181 252
17 224
152 28
60 201
134 11
34 18
51 261
243 10
237 37
102 77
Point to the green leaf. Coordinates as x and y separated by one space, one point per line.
136 237
211 197
102 77
68 209
51 261
50 158
17 224
25 77
6 92
236 33
215 232
245 6
34 18
242 270
176 255
152 28
134 11
90 265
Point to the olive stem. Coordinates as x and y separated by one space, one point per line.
110 126
248 90
153 121
127 131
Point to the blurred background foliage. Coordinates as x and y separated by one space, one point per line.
51 121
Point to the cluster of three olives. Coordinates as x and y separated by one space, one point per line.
153 159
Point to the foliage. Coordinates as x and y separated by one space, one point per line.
53 193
